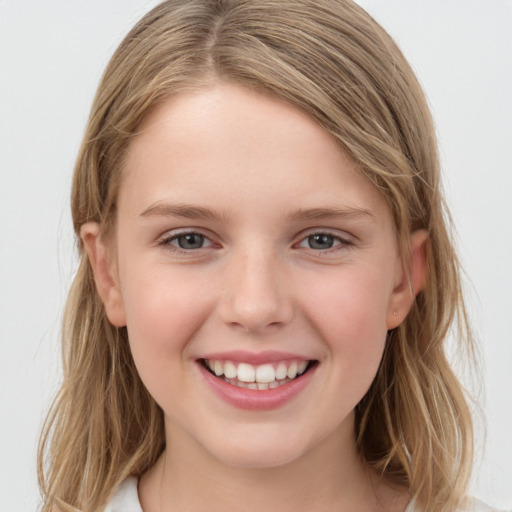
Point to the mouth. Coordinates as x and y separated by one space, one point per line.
261 377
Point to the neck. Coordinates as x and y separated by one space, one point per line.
330 477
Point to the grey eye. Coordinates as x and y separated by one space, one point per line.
189 241
321 241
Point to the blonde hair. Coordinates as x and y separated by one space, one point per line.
330 59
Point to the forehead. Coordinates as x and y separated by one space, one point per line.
228 116
231 147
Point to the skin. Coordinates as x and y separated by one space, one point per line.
257 283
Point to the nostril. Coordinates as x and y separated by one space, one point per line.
254 301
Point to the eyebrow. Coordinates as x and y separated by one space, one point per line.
198 212
331 213
180 210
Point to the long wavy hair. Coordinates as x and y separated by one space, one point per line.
332 61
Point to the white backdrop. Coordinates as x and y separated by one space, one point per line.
52 53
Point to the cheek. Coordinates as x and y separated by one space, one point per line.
162 314
350 312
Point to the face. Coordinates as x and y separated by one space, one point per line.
256 272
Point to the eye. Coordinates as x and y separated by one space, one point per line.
323 242
187 241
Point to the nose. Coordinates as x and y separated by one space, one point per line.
256 297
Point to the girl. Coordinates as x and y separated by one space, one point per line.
266 277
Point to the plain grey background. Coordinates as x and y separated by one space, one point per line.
52 53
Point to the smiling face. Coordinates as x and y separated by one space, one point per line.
257 275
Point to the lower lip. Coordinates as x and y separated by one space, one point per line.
253 399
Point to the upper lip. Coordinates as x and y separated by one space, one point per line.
255 358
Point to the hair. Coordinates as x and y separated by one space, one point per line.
331 60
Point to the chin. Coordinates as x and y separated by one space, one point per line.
260 453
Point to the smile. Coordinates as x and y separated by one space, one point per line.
257 377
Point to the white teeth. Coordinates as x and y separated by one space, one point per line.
257 385
229 370
246 372
281 371
265 373
265 376
218 368
292 371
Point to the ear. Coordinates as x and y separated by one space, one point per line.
105 275
411 281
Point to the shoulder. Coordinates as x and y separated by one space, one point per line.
125 498
471 505
474 505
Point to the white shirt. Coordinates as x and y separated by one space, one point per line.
126 499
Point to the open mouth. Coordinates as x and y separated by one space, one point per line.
258 377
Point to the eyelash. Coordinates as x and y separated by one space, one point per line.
167 242
339 242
